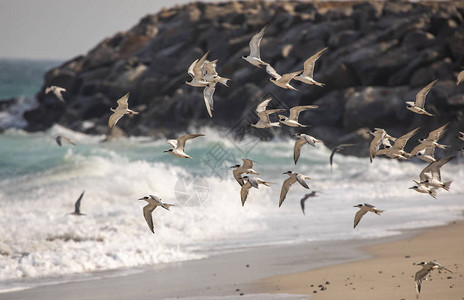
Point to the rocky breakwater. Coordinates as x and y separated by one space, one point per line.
379 55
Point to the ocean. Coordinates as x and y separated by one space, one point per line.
40 181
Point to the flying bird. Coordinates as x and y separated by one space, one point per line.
263 115
430 141
292 119
211 75
77 206
431 177
363 209
179 145
427 267
254 58
397 150
57 91
196 72
460 78
245 168
307 75
418 106
303 200
294 177
249 183
120 111
303 139
337 149
424 189
282 81
153 202
60 139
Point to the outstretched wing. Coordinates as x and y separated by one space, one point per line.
255 43
285 188
208 97
147 210
295 111
358 216
181 141
420 97
310 62
122 102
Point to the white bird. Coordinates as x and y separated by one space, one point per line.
282 81
380 137
303 200
426 154
208 97
249 183
153 202
460 78
57 91
418 106
397 150
263 115
245 168
363 209
120 111
337 149
211 75
461 135
422 188
430 175
427 267
196 72
254 58
292 119
430 141
294 177
77 206
307 75
60 139
303 139
179 145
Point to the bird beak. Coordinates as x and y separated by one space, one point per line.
141 199
355 206
411 188
166 151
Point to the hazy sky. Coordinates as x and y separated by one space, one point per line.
62 29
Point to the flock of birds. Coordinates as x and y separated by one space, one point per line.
204 75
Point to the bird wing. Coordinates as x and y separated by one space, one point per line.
122 102
198 67
58 140
301 180
335 149
264 116
238 176
302 203
434 169
375 144
310 62
288 76
208 96
69 141
460 78
418 149
58 93
401 141
244 192
147 210
285 188
210 67
297 149
271 71
255 42
262 106
295 111
181 141
437 134
420 97
173 143
358 216
190 69
247 163
114 118
77 205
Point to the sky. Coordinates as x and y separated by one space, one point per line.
63 29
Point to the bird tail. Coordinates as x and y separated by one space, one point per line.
254 172
433 193
223 80
441 146
319 84
378 211
266 183
447 185
168 205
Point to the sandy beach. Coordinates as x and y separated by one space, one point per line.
389 273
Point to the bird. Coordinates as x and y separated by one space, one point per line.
60 139
461 135
380 138
250 182
337 149
153 202
307 75
208 97
426 154
460 78
418 106
396 151
246 167
303 200
254 58
292 119
363 209
211 75
179 145
287 184
282 81
431 177
430 141
263 115
77 206
422 188
196 72
427 267
303 139
57 91
120 111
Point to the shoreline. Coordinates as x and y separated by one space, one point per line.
260 271
388 273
